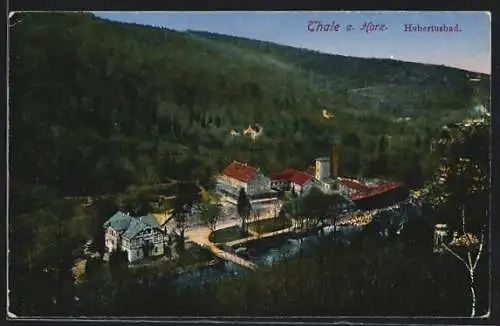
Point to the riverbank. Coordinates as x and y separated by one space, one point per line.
266 251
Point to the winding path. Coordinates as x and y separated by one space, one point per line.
230 257
200 234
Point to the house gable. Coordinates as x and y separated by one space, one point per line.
145 231
149 220
140 225
118 222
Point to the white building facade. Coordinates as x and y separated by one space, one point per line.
258 185
280 185
240 175
139 237
280 181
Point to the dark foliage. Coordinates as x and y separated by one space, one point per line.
244 208
97 107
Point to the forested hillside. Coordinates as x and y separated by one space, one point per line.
99 107
452 87
373 276
96 106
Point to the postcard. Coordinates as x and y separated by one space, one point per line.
249 164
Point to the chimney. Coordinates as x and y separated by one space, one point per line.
334 162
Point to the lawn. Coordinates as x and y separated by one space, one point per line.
225 235
270 225
195 255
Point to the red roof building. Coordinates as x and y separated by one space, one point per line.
354 184
300 178
291 175
284 180
240 171
377 190
284 175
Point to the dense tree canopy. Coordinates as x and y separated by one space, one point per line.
99 108
105 105
463 177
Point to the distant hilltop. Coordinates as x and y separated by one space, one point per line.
267 46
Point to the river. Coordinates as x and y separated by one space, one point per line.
267 252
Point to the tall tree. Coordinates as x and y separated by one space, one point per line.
180 213
244 209
468 249
459 195
118 263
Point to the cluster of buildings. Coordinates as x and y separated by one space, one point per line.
261 188
323 174
146 236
